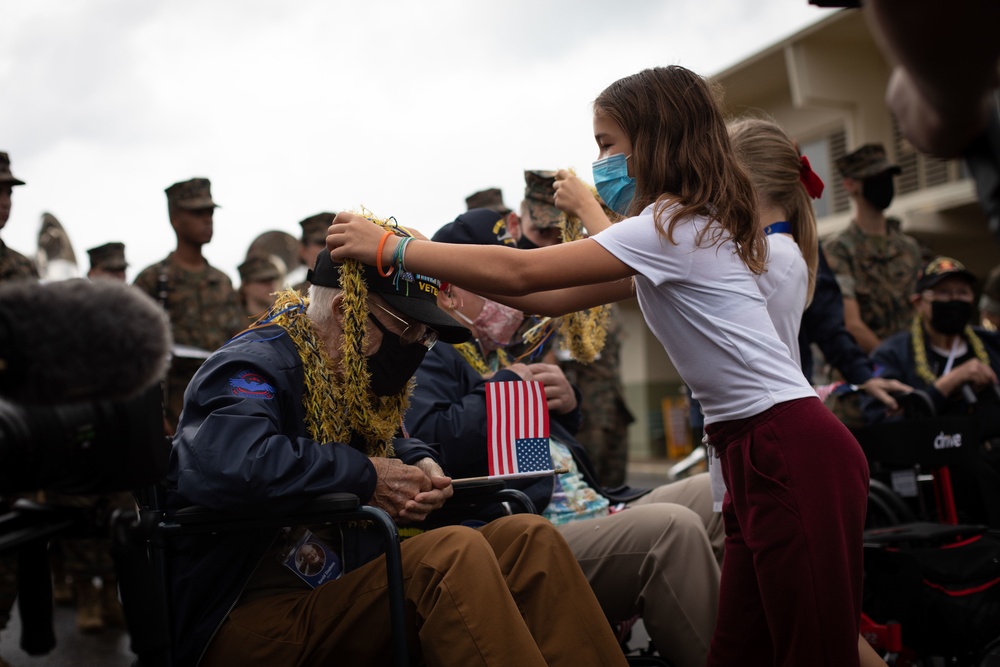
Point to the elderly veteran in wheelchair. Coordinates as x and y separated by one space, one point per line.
309 401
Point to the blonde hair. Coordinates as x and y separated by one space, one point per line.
774 165
681 154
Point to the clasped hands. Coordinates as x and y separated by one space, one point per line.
408 493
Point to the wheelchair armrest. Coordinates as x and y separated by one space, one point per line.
477 487
317 510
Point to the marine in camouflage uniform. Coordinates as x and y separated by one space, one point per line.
13 266
204 308
876 265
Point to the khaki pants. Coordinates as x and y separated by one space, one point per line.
656 559
508 594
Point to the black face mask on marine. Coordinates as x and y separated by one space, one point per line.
392 364
950 317
878 191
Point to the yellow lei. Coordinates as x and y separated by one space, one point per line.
920 350
584 332
339 405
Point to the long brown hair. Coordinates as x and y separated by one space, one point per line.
681 154
774 166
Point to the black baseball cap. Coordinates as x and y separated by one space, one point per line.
941 268
412 294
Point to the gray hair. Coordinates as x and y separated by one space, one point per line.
320 309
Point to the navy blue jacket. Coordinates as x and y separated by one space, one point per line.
448 407
823 324
894 359
241 445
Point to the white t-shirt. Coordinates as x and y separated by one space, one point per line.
705 308
784 286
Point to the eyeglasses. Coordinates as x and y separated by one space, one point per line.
966 295
413 334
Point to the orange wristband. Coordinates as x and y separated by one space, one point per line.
378 255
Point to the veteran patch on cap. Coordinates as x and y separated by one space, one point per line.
941 268
491 198
108 257
540 197
314 227
192 194
867 161
5 174
412 294
261 268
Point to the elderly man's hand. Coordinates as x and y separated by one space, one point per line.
558 391
427 501
397 485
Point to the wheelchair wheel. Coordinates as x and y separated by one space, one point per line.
990 657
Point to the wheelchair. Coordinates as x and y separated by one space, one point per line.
932 582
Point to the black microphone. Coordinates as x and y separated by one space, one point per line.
76 340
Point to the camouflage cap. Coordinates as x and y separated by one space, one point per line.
865 162
314 227
259 268
5 175
192 194
939 269
539 195
491 198
108 257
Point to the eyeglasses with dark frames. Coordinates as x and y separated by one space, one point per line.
412 333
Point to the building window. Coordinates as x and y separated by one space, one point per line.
921 171
823 154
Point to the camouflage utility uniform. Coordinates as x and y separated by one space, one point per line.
604 428
879 272
204 312
15 266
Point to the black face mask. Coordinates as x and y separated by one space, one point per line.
950 317
878 191
393 364
524 243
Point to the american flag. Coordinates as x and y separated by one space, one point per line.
517 425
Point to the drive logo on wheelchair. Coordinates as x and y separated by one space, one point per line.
943 441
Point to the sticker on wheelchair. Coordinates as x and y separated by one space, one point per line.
313 561
904 482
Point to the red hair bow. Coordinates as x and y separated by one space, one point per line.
810 179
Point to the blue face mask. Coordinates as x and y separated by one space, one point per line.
613 183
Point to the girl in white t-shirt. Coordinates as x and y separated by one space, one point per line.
785 184
690 251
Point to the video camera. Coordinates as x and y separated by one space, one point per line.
81 415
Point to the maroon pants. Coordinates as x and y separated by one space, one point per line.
794 513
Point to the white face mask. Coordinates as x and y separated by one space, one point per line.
496 324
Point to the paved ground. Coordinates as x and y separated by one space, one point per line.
111 648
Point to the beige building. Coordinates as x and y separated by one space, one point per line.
826 86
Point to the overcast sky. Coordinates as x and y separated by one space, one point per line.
292 107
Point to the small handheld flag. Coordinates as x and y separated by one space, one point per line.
517 426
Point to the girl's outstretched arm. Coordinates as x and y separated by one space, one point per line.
496 270
559 302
